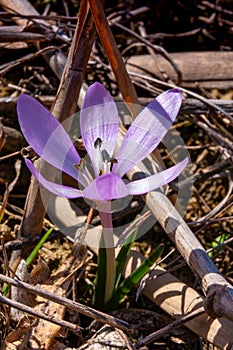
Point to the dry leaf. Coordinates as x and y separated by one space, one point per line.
40 272
44 332
107 338
17 337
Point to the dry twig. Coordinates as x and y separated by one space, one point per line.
72 305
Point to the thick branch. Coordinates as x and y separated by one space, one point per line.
218 291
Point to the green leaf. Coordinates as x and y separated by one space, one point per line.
32 255
127 285
217 242
38 247
123 255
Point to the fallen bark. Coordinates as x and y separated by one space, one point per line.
209 69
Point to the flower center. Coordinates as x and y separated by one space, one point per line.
83 171
107 160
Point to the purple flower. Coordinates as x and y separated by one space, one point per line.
99 128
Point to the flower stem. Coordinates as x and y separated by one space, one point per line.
106 221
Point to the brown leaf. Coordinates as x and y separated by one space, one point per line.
40 272
44 332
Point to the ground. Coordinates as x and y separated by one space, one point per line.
175 29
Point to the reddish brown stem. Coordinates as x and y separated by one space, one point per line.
125 85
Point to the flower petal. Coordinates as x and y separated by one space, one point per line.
106 187
147 130
59 190
46 135
170 101
152 182
98 119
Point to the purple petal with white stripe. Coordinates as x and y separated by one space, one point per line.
46 135
59 190
155 181
147 130
99 119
